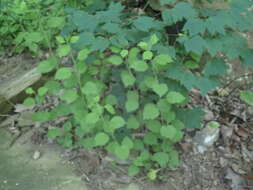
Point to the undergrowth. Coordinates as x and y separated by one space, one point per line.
126 86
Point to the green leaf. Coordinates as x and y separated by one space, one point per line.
147 55
41 116
150 111
174 159
124 53
29 91
115 60
145 23
83 54
127 78
191 117
247 96
162 59
53 133
139 65
196 45
132 102
110 109
152 175
132 122
101 139
117 122
92 118
35 37
215 67
153 39
48 65
42 91
153 125
175 97
53 87
122 152
128 143
168 131
90 88
195 26
63 73
55 22
69 95
29 102
161 158
133 170
160 89
100 44
150 139
183 10
63 50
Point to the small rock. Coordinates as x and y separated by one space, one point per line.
36 155
206 137
223 162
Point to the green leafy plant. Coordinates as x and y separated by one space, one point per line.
127 90
99 111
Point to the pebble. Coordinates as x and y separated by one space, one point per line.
36 155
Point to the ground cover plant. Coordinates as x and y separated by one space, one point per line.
127 84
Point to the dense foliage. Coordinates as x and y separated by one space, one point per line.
129 75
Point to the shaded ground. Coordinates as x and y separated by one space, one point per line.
20 171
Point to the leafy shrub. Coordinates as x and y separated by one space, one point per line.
127 90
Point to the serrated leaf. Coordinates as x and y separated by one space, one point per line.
91 118
196 45
133 170
128 143
152 175
215 67
63 50
162 59
117 122
139 65
154 126
175 97
110 109
168 131
183 10
124 53
160 89
147 55
90 88
100 44
63 73
150 111
161 158
55 22
42 91
247 96
101 139
127 78
150 139
195 26
132 102
69 95
145 23
83 54
191 117
47 65
115 60
29 102
122 152
133 123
